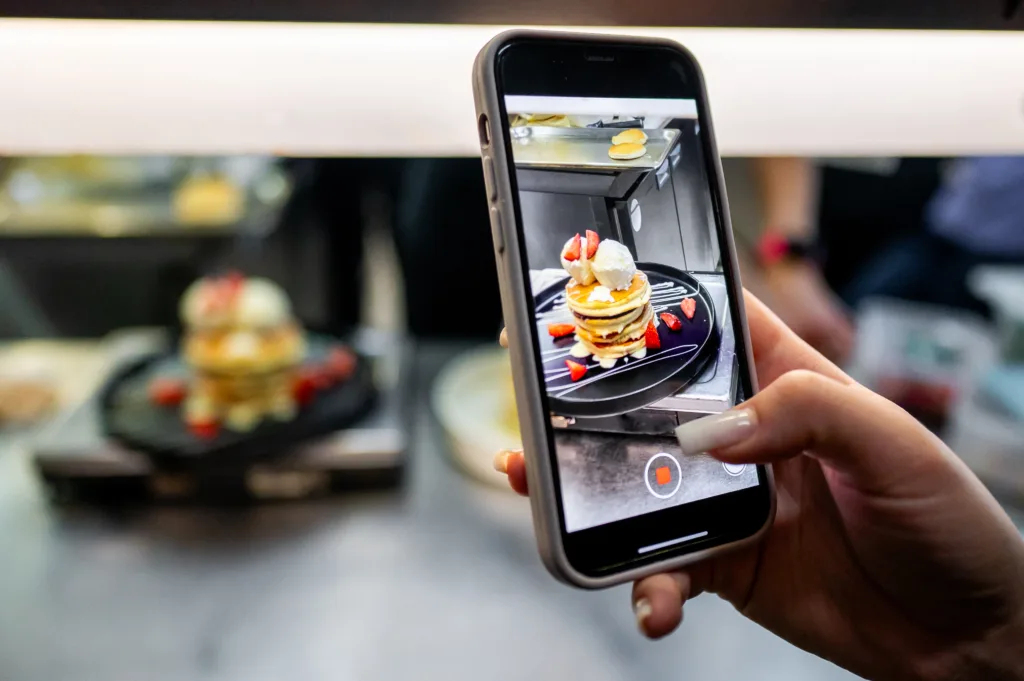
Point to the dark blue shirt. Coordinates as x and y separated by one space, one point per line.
981 206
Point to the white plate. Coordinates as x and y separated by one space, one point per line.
471 397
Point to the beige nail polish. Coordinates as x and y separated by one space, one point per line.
714 432
642 609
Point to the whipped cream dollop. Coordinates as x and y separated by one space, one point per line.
613 265
578 269
600 294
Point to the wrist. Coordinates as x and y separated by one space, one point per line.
999 656
776 248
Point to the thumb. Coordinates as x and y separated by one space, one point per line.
860 435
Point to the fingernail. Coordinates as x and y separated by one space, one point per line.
503 338
642 609
501 461
714 432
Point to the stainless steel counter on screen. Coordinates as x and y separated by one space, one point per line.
583 148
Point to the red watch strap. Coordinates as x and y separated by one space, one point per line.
771 248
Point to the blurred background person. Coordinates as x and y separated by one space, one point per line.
836 235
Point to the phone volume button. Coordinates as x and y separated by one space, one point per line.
497 229
489 181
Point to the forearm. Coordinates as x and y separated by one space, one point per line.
788 190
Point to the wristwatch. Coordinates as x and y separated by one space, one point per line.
774 247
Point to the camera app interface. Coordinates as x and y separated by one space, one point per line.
630 295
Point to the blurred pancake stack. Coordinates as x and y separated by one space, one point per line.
244 349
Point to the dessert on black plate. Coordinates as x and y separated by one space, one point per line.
246 359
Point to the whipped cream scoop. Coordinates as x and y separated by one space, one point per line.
613 265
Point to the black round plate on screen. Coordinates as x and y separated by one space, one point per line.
632 383
130 418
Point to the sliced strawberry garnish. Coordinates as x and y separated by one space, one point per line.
561 330
592 240
304 388
167 392
341 363
576 370
651 338
689 307
671 321
206 429
572 251
233 282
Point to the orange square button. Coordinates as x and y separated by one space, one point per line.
663 475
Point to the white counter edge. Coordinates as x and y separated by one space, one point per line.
404 90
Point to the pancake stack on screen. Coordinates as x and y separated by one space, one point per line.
628 145
609 298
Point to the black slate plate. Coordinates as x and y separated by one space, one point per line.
634 383
129 417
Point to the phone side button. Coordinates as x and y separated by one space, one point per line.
489 181
497 229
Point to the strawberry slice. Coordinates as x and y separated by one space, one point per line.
304 388
651 338
592 240
572 251
167 392
689 307
561 330
341 363
205 429
671 321
576 370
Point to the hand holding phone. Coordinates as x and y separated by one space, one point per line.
886 556
622 297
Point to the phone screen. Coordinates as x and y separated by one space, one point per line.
634 302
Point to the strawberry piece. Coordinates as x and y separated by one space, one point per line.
572 251
576 370
561 330
592 241
651 338
689 307
341 363
233 282
166 392
671 321
304 388
205 429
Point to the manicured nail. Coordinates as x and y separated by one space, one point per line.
501 461
714 432
642 609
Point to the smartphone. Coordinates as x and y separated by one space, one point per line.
622 300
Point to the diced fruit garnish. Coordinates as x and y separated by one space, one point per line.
651 338
576 370
561 330
304 388
206 429
671 321
572 251
321 376
689 307
233 283
167 392
592 240
341 363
